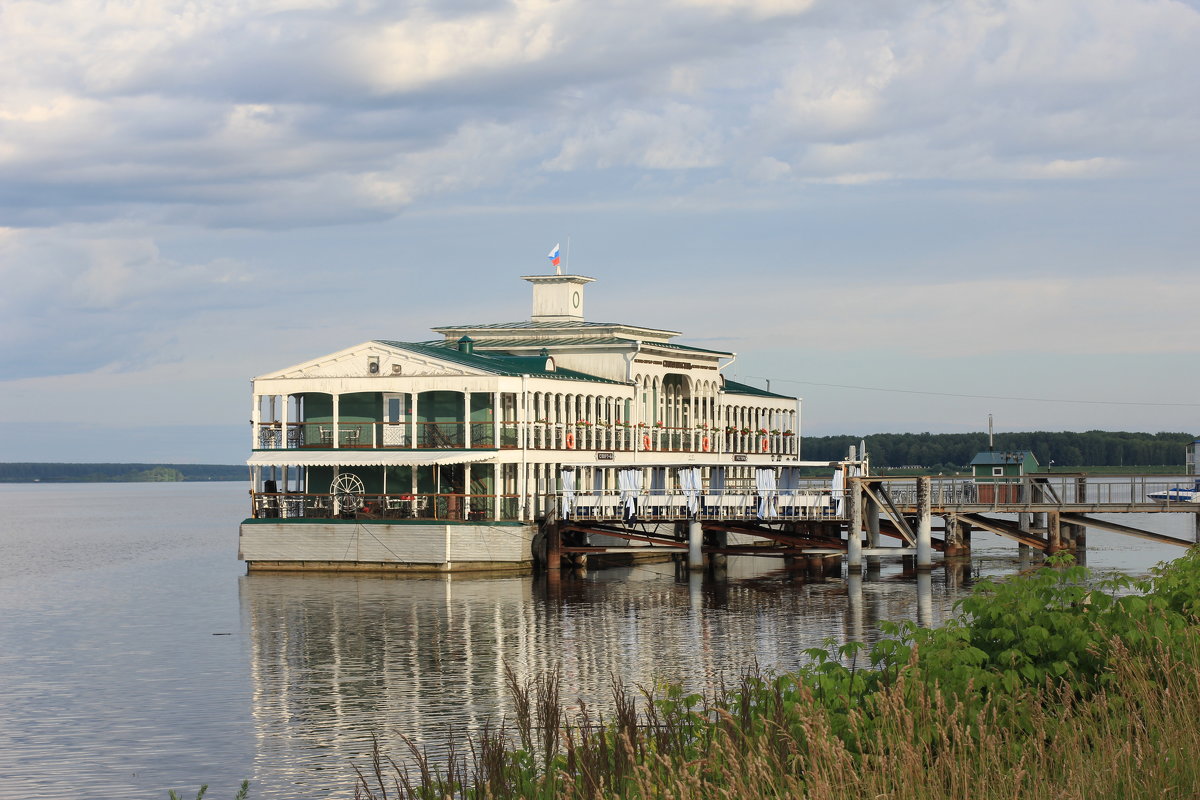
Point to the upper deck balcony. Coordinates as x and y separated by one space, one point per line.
581 435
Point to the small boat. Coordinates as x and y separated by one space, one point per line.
1177 495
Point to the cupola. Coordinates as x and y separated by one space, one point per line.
557 298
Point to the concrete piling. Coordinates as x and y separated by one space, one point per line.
854 548
695 545
924 523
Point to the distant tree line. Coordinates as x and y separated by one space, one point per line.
955 450
118 473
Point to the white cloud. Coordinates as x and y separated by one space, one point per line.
200 112
85 299
675 137
1044 316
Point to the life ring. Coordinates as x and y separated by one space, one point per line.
570 441
704 443
646 442
765 445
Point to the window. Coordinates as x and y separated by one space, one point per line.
998 472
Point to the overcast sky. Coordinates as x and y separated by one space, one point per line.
904 212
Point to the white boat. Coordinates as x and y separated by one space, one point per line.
1177 495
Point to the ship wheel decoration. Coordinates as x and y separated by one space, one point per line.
347 491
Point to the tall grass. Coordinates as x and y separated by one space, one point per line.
1050 686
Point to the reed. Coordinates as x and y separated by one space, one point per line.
1049 685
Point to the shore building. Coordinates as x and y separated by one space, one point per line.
444 454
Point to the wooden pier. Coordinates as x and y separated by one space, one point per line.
848 518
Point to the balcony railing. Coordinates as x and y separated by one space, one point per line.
434 507
536 436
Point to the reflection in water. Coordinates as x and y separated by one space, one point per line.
925 599
335 659
116 686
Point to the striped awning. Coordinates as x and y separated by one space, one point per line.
365 458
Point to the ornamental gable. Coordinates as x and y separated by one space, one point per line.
373 358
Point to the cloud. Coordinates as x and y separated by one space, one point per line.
100 301
306 113
1045 316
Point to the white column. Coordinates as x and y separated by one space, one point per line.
496 416
466 429
283 423
466 499
255 418
523 493
337 434
412 424
693 418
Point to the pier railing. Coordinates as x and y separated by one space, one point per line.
1048 491
650 505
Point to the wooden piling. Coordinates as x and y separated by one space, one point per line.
954 538
1054 537
553 545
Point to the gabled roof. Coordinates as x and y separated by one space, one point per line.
495 363
733 387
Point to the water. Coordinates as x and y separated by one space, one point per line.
136 655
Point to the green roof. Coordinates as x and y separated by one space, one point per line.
557 341
530 325
733 387
572 341
495 363
674 346
994 458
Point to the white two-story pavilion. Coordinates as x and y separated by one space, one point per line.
444 454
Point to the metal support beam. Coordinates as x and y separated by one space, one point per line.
885 502
1116 527
1006 529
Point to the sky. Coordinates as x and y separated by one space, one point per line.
911 214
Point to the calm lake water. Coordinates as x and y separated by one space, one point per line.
136 656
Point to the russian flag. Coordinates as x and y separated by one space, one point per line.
553 256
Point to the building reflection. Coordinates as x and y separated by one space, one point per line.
337 659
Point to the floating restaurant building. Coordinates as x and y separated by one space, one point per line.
445 454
